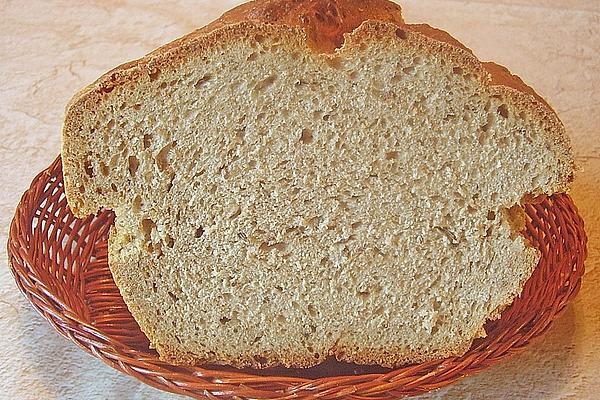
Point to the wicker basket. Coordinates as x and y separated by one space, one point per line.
60 263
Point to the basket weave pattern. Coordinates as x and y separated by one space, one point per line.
60 263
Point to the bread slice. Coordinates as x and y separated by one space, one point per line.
304 179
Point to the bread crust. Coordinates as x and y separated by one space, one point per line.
329 27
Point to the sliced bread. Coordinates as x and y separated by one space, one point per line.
312 178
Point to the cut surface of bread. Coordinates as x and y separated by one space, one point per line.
284 193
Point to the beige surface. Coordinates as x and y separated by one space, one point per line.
50 49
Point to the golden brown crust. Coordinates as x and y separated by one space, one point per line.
324 23
438 35
501 76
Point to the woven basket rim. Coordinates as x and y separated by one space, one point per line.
49 285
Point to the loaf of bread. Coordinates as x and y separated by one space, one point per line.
303 179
